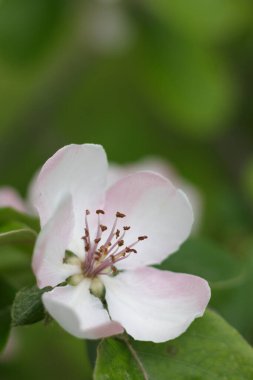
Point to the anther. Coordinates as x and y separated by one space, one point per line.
142 237
120 215
100 212
87 247
97 240
120 243
103 228
117 233
87 212
129 250
126 228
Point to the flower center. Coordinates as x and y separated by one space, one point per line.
100 259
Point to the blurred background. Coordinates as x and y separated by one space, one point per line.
167 79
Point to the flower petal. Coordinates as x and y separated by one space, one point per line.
79 312
154 305
153 207
162 167
50 247
10 198
79 170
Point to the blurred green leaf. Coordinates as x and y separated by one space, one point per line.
204 258
189 86
13 260
247 178
36 351
22 235
235 304
208 20
210 349
103 107
7 294
27 307
10 215
26 27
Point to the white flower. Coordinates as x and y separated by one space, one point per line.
101 240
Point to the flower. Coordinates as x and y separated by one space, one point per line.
162 167
10 198
99 241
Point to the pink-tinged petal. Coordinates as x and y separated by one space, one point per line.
154 305
79 312
50 247
162 167
153 164
79 170
10 198
153 207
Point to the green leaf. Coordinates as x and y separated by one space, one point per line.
22 235
27 307
9 215
6 299
204 258
209 350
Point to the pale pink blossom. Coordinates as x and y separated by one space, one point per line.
159 165
99 241
9 197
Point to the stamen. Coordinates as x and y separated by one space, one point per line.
120 215
142 237
100 259
100 212
129 250
87 241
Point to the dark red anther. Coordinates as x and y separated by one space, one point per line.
142 237
129 250
100 212
120 215
103 228
126 228
120 243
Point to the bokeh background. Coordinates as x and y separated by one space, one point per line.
171 79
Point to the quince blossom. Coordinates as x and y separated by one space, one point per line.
9 197
95 245
160 166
